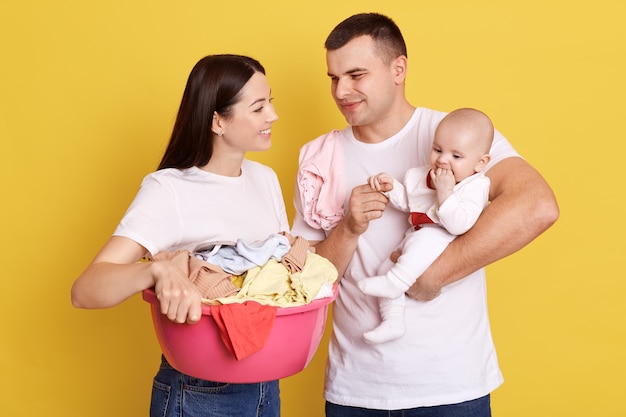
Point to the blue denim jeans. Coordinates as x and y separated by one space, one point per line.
180 395
480 407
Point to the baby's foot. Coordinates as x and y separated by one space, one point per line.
381 286
390 329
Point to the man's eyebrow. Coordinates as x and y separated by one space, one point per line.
349 72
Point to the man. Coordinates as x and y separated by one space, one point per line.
445 364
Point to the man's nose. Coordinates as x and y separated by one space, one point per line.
342 88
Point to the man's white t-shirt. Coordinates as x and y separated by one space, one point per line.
447 355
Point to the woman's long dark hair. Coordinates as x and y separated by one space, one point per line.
214 85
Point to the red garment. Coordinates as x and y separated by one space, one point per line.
244 327
419 219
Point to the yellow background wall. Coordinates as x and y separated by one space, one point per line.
88 94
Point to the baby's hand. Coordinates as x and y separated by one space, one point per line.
444 182
381 182
442 179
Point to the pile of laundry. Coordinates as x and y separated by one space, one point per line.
281 271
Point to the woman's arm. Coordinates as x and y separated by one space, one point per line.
115 275
522 207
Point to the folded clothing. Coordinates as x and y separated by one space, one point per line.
295 258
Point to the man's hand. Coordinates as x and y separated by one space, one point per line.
364 205
424 290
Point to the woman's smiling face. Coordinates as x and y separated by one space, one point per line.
250 126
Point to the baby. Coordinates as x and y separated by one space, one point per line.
444 200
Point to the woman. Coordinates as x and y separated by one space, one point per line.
203 192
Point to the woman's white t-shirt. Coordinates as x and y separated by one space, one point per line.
193 209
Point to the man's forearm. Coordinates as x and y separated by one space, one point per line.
338 248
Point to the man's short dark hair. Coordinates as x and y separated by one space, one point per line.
385 33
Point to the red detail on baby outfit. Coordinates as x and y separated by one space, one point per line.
418 219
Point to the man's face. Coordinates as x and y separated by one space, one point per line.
361 83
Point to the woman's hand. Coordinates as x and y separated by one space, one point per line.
180 300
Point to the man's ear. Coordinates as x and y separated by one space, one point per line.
482 162
399 67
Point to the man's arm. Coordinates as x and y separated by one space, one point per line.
522 207
364 205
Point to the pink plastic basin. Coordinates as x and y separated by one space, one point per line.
197 349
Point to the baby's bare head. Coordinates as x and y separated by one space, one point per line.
470 126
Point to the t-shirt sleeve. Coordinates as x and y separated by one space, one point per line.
500 149
153 218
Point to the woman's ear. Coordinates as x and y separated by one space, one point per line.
216 124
